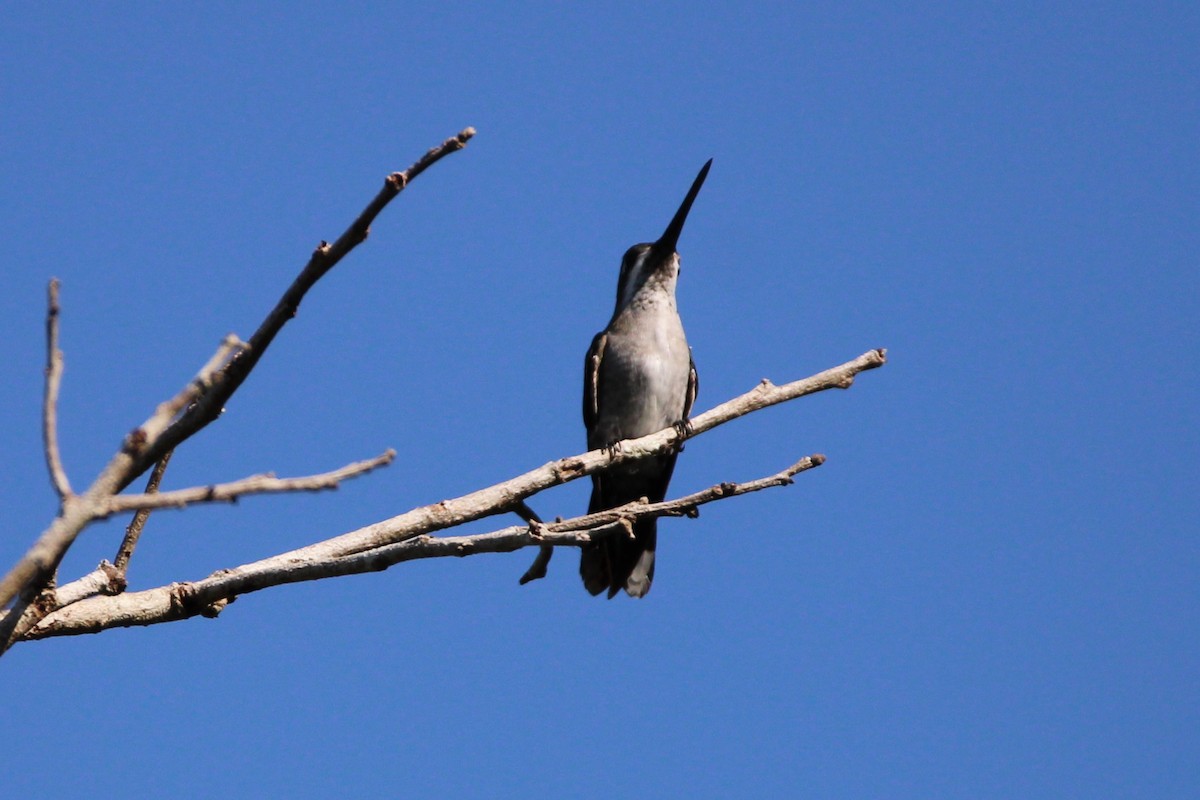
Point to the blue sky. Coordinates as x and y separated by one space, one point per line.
990 590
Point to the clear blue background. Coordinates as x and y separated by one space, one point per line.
991 588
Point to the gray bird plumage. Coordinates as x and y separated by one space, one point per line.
638 378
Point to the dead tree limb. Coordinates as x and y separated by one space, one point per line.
198 404
209 596
323 259
409 536
32 572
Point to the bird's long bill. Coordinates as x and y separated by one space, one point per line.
670 236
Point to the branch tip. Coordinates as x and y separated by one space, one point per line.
53 380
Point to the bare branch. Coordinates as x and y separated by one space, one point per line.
200 598
54 370
134 531
201 401
255 484
79 510
111 578
323 259
501 497
23 617
684 506
209 596
149 432
768 394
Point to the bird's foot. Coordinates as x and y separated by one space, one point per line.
683 429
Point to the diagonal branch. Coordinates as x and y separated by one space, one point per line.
323 259
406 537
138 523
684 506
110 579
78 511
54 370
255 484
501 497
200 403
26 614
209 596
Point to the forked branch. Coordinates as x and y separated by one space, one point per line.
209 596
409 536
181 417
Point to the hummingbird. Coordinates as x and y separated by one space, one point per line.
638 378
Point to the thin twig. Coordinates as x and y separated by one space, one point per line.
684 506
266 483
209 596
134 531
54 371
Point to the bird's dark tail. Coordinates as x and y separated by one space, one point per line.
618 562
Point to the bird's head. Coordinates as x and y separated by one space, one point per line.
657 263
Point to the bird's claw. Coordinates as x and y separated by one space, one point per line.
683 430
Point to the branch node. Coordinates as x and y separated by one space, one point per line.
178 597
116 582
627 525
135 442
215 608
